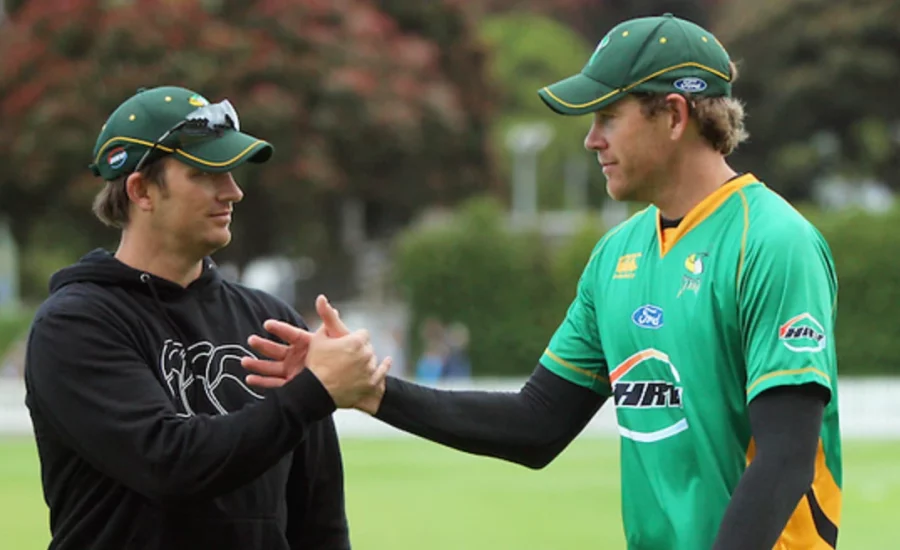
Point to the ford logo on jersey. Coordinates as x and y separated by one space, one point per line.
648 317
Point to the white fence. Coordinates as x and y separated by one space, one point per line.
870 409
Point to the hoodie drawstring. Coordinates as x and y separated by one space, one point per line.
147 279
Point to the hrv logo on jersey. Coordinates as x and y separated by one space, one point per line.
803 333
648 395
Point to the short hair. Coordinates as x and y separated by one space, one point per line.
111 204
720 119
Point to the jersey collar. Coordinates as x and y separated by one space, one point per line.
699 213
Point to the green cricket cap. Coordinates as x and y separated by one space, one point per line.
663 54
142 119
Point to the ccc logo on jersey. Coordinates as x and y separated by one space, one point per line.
648 395
627 266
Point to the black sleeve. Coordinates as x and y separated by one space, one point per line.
785 424
86 379
315 493
317 517
529 427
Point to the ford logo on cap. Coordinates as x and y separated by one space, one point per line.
648 317
690 84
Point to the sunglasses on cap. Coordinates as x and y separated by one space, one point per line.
207 122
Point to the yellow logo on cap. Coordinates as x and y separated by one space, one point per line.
198 101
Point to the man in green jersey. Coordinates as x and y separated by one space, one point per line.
707 319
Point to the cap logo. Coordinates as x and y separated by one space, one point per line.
117 158
600 46
690 84
198 101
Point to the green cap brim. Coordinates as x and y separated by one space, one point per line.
578 95
226 153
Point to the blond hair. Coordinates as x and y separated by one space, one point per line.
720 119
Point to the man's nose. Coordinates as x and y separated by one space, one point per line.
230 190
595 140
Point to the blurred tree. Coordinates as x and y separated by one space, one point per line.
10 6
359 102
531 51
499 284
593 18
819 80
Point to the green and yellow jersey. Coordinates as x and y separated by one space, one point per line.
681 329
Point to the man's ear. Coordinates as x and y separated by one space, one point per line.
138 189
679 115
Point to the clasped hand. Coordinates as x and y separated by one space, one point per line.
343 361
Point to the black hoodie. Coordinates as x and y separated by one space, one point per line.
147 434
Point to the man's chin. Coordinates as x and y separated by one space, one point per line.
217 242
623 192
616 192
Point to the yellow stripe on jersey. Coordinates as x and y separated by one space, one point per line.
790 372
801 531
668 234
740 268
700 212
562 362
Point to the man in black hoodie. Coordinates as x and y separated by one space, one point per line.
148 435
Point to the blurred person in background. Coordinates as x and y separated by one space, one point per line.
457 365
147 435
430 365
706 318
396 350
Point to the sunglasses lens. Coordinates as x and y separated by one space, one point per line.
230 115
213 119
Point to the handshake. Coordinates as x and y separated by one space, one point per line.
343 361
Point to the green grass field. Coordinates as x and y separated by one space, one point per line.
405 494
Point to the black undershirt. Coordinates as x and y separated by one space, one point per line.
533 425
665 223
785 423
668 224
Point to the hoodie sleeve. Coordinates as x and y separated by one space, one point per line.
315 491
90 384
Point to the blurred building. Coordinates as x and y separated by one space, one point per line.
9 268
836 192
